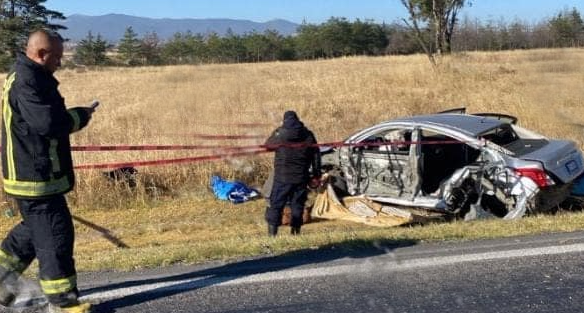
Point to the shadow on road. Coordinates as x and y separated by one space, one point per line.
221 274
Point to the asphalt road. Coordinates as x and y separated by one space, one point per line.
521 274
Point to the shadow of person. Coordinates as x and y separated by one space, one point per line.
176 284
104 232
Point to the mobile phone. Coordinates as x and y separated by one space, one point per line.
94 104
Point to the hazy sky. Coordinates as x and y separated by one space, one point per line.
313 11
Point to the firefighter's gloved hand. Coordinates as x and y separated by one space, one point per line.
89 111
91 108
80 117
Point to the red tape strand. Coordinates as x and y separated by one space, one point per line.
94 148
90 148
264 149
243 125
168 161
217 137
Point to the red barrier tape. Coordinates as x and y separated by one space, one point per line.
89 148
264 149
168 161
244 125
217 137
363 144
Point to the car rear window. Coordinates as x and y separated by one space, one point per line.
507 138
502 135
525 146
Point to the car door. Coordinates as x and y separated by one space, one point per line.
385 163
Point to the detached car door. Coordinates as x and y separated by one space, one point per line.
384 163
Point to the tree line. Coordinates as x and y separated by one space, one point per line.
433 27
336 37
563 30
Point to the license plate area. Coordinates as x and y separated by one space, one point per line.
572 166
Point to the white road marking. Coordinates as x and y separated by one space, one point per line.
359 268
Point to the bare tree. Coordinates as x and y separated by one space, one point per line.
440 16
415 18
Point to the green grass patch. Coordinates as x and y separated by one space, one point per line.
195 231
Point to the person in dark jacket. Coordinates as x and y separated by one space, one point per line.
297 158
38 171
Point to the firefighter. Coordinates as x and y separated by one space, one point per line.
38 172
296 157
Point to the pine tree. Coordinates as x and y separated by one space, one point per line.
91 51
129 47
567 28
17 19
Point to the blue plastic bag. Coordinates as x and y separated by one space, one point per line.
234 191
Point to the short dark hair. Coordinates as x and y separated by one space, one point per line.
53 35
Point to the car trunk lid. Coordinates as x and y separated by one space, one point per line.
560 157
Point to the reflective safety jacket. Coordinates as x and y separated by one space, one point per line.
36 152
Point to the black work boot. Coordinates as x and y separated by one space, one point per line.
6 296
295 230
272 230
8 288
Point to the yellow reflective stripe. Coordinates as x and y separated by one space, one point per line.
7 114
11 263
32 189
51 287
76 120
83 307
54 156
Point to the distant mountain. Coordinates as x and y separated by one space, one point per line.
112 26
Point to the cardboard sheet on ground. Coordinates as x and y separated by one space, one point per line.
359 209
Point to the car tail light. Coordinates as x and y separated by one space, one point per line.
539 177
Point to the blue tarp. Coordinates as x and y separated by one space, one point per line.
234 191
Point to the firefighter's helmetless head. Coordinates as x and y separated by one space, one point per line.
46 49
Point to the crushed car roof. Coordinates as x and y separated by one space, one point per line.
470 124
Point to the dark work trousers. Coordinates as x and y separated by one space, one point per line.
46 232
283 193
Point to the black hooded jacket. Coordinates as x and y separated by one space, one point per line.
36 152
296 153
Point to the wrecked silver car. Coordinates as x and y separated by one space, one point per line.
463 165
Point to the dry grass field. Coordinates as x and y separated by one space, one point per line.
172 216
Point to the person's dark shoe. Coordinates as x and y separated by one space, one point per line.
8 288
272 230
7 296
295 230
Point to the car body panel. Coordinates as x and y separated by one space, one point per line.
561 157
457 163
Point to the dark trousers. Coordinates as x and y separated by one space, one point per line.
283 193
46 233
